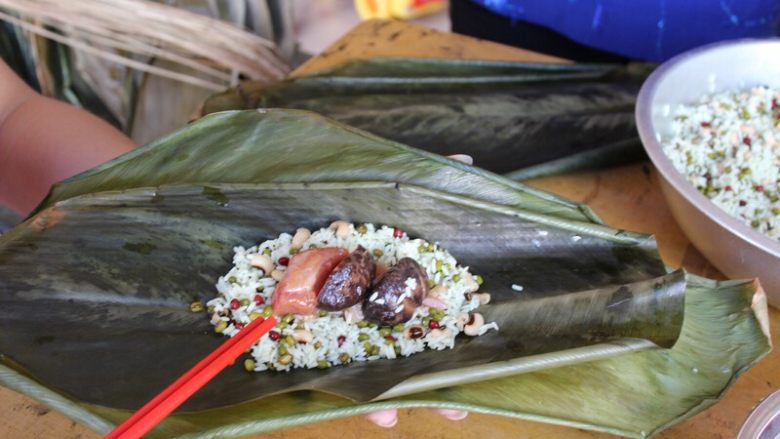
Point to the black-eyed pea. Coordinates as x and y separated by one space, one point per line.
301 235
462 320
262 262
475 323
341 228
484 298
471 283
302 336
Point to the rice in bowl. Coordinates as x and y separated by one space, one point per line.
728 146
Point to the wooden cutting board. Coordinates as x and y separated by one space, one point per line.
626 197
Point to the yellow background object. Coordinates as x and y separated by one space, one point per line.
399 9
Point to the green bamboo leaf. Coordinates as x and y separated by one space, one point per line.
635 395
417 75
298 146
104 304
508 116
612 154
502 131
400 67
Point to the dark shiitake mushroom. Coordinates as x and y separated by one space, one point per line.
385 306
349 281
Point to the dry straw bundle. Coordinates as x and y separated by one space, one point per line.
123 31
142 65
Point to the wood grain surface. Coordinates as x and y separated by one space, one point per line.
626 197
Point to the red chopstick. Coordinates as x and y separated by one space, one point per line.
154 411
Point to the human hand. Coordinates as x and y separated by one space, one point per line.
43 141
388 418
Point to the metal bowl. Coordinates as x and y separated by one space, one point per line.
732 246
764 421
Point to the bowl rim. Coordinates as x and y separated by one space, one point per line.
664 165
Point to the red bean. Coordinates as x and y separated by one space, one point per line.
284 260
235 304
415 332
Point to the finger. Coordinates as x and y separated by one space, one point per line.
452 415
384 418
467 159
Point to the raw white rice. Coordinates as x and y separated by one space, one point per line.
728 146
243 282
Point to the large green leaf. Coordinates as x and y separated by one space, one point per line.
634 395
394 67
299 146
508 116
613 154
114 274
413 75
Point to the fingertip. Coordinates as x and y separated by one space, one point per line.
467 159
453 415
391 424
384 418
